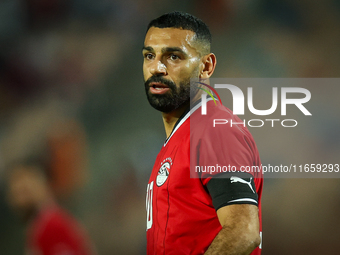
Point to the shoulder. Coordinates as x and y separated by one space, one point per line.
219 122
220 137
59 221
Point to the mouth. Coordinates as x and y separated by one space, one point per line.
158 88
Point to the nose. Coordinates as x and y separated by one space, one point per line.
158 68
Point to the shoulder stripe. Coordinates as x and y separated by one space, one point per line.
244 200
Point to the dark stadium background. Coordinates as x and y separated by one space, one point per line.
71 81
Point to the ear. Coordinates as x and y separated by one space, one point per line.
208 65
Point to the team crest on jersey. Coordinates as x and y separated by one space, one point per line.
163 172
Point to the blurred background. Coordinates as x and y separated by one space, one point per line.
71 85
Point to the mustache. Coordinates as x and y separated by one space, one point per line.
160 79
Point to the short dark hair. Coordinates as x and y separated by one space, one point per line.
184 21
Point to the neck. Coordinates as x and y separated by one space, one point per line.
170 119
29 215
45 201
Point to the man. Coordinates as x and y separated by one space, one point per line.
202 215
51 230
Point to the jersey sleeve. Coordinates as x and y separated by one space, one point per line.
224 149
233 188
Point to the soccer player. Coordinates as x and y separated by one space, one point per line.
202 215
51 230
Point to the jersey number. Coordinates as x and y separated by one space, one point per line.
149 192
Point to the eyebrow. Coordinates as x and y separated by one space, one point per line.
148 48
167 49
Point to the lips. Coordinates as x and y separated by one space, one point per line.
158 88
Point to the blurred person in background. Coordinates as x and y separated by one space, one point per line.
50 229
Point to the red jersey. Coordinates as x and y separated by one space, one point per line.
181 218
54 232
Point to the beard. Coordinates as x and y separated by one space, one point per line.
174 98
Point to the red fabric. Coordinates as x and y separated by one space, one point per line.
181 216
54 232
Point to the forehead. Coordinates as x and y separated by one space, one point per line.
170 37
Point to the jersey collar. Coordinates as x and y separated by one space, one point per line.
190 110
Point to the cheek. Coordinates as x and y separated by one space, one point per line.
186 71
146 72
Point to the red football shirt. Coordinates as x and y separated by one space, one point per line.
181 218
54 232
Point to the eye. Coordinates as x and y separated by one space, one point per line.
148 56
174 57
